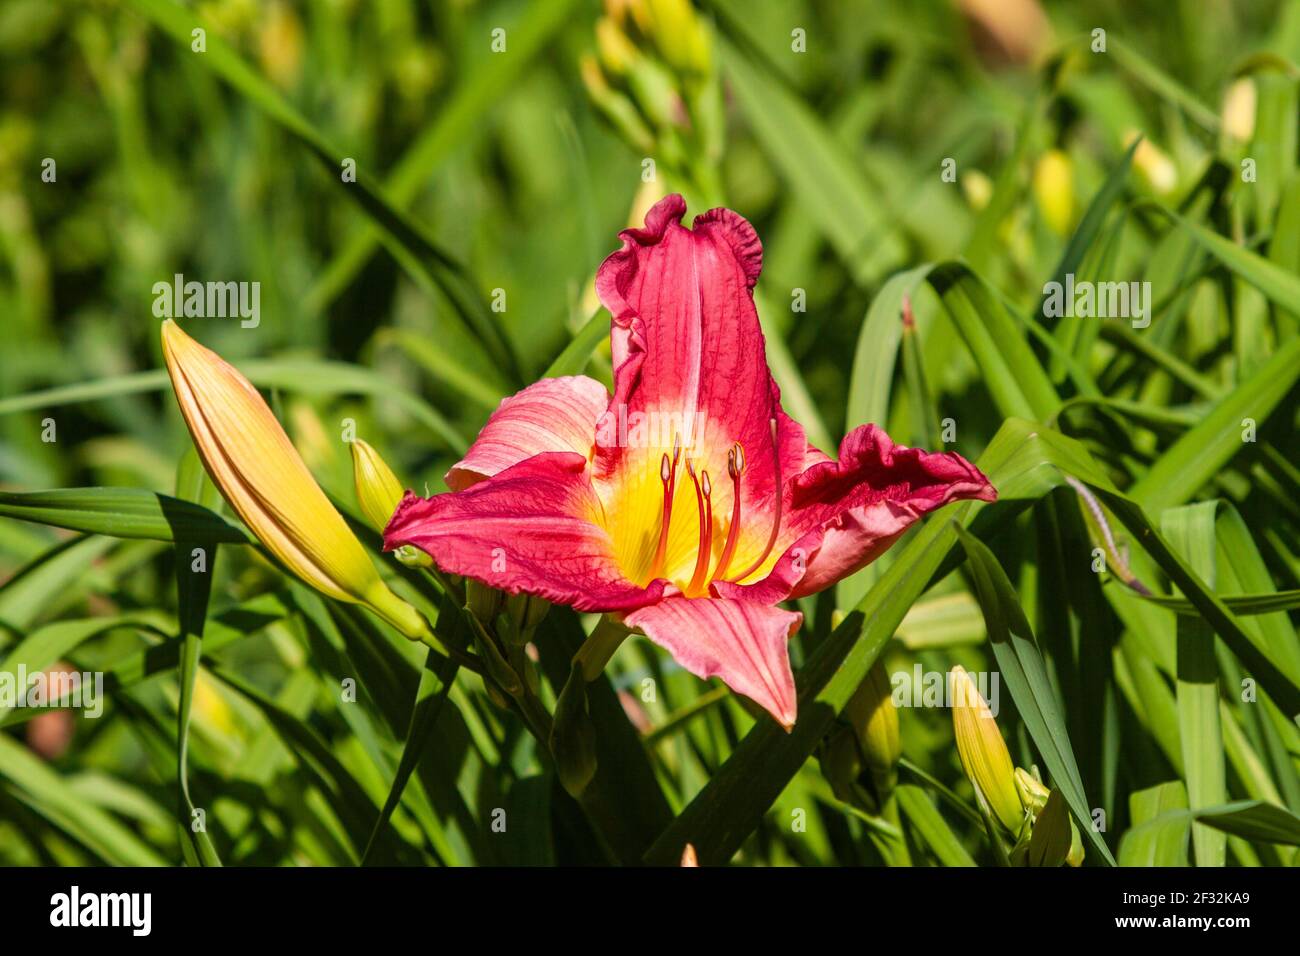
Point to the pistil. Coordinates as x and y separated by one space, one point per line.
667 475
776 519
704 502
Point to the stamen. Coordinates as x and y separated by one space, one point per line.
735 468
776 521
704 554
668 475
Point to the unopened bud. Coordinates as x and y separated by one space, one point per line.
378 490
1053 187
483 601
874 718
1033 795
573 737
1239 109
1050 843
983 753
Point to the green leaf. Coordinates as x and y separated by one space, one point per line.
196 562
1161 827
1022 668
1190 530
51 797
1253 820
925 820
121 513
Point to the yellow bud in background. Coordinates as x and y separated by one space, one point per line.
679 34
977 188
1153 164
874 718
378 490
618 55
280 45
1239 110
262 476
983 752
1053 188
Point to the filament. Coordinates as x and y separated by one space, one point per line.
776 520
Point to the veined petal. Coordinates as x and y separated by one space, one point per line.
555 414
689 360
843 514
744 644
533 528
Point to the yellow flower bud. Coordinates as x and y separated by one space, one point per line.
977 188
679 35
1153 164
1239 110
1053 188
378 490
983 752
618 55
262 476
1075 856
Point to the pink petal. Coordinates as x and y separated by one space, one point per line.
686 340
555 414
745 644
531 528
841 515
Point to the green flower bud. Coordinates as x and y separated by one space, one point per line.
874 718
1033 795
573 736
483 601
1049 845
378 490
526 612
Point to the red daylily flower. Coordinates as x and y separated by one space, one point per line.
693 532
